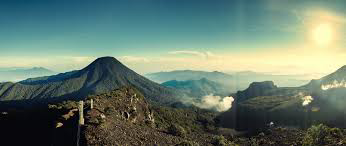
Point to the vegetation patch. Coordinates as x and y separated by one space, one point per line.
323 135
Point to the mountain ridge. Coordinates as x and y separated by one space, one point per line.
17 74
102 75
181 75
198 88
299 106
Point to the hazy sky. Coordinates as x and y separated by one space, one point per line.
278 36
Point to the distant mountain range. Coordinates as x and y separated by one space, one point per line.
102 75
17 74
183 75
198 88
336 78
245 78
233 81
322 100
186 75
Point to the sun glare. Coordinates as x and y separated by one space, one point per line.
323 34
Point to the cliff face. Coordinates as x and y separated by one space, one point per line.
256 89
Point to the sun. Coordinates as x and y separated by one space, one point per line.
323 34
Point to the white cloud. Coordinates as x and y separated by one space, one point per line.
133 59
307 100
335 84
290 60
206 55
196 53
215 102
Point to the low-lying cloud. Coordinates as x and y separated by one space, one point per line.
335 84
215 102
307 100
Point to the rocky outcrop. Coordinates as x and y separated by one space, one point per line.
124 117
113 112
126 104
256 89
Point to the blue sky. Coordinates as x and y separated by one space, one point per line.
147 31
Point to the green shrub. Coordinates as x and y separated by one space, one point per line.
322 135
254 142
67 105
109 110
177 130
219 141
94 121
195 120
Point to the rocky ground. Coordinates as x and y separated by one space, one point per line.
123 117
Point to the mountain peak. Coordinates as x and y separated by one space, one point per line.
105 60
106 64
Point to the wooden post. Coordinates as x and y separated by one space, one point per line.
91 104
81 116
